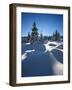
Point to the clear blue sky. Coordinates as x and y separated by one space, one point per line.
46 23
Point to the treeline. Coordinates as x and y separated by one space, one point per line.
35 36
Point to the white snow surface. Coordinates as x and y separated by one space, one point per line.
24 56
28 51
50 48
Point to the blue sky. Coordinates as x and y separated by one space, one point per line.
46 23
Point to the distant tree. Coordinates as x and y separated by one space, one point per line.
45 37
49 38
34 35
41 37
56 36
53 38
28 36
61 38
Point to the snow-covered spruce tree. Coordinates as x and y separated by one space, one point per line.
34 35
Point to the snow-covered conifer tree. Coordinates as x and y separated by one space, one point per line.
34 34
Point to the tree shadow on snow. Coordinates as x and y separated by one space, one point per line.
58 55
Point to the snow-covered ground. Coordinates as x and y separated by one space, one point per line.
54 46
42 59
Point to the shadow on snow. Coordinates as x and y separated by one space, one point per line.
58 55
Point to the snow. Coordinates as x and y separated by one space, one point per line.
50 48
28 51
27 43
58 68
42 59
24 56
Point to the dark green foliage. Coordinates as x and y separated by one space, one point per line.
34 34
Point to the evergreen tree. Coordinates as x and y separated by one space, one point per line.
53 38
34 34
41 37
56 36
28 36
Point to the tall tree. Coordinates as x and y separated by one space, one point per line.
34 34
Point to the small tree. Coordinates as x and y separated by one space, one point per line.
53 37
41 37
28 36
56 36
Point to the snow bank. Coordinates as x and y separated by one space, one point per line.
54 46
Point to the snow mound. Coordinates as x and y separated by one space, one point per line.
53 45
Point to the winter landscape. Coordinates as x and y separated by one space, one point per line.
41 54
